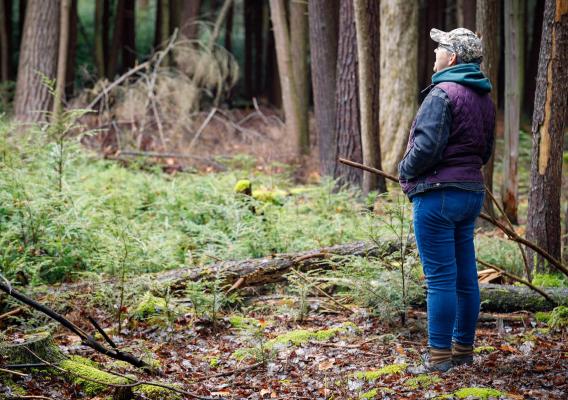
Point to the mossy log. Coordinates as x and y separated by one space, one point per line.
261 271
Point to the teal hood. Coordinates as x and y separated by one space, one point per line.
465 74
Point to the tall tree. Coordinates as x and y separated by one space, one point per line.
229 28
101 45
324 25
430 17
129 36
514 23
466 14
398 87
72 49
38 59
4 41
347 124
65 10
299 42
294 123
188 18
549 122
368 52
117 40
488 19
532 41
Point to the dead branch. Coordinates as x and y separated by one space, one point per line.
12 372
511 234
86 338
201 128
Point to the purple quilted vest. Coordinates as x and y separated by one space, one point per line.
473 123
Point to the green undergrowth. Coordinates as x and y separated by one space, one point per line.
112 219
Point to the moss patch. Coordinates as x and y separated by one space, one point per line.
88 369
156 392
293 338
386 370
477 393
240 322
542 316
371 394
484 349
149 305
422 381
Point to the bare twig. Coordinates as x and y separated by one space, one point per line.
321 291
201 128
117 82
518 279
11 313
102 332
86 339
366 168
8 371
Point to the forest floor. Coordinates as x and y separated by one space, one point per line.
344 358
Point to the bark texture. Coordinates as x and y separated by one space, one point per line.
466 14
100 33
549 122
398 87
488 20
429 16
64 13
287 82
514 38
4 42
347 125
38 59
188 18
368 52
299 43
324 25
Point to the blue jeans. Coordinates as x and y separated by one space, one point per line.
443 223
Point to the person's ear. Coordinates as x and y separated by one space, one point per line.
453 59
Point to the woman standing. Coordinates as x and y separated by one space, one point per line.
450 140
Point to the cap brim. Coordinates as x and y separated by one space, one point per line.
438 36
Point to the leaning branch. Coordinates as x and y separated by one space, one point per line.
509 232
86 338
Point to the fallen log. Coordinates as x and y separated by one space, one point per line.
271 269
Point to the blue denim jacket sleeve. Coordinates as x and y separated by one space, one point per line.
431 132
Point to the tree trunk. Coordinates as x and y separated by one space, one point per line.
299 50
398 88
100 50
549 122
258 21
175 15
466 14
189 15
324 25
368 53
347 123
514 23
565 250
532 52
249 36
4 42
164 23
287 81
38 59
488 20
129 36
430 17
65 8
229 29
117 40
72 50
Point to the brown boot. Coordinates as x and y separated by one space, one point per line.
436 360
462 354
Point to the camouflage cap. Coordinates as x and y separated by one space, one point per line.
461 41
